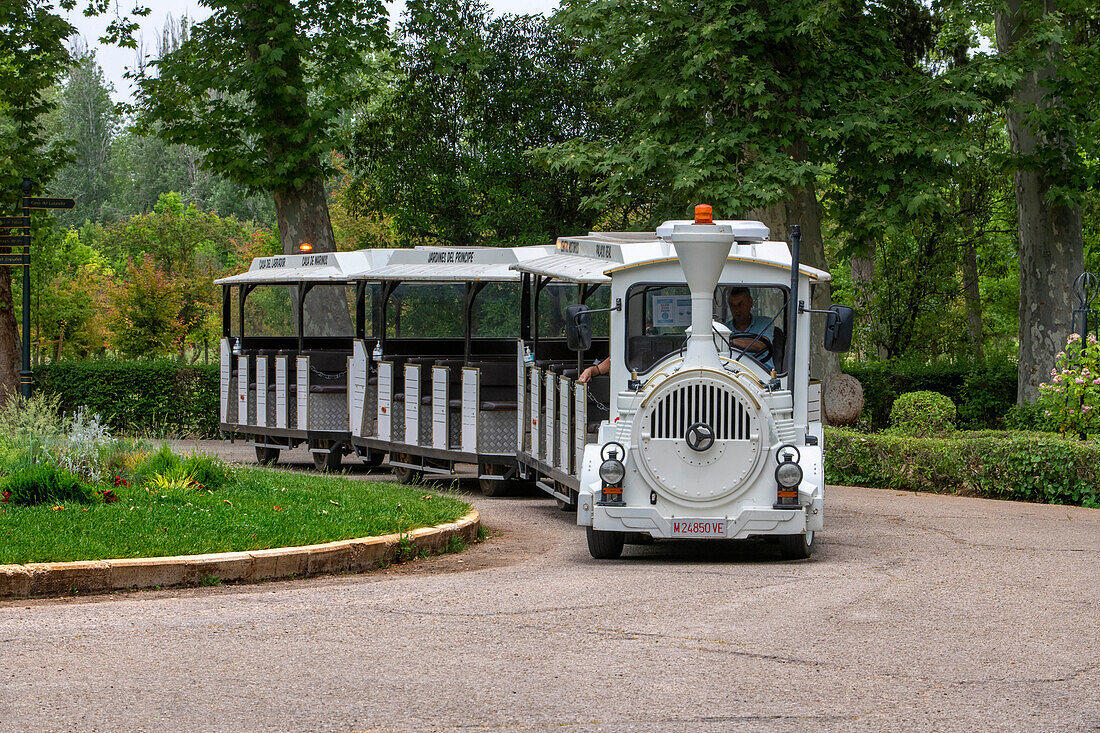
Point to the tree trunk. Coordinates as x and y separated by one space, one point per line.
303 217
863 274
973 299
1051 249
302 214
802 208
10 357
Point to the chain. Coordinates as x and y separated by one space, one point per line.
327 375
602 406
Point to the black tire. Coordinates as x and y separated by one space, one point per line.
494 488
406 475
372 458
796 546
605 545
267 456
327 462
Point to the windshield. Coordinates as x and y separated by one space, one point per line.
658 315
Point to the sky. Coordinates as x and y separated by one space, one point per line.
115 60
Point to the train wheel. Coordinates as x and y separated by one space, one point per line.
327 462
605 545
566 506
267 456
372 458
404 474
796 546
491 486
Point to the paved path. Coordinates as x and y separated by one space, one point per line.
917 611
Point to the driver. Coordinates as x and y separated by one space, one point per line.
745 326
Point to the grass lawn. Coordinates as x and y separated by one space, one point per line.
258 509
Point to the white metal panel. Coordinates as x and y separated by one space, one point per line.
226 375
412 404
242 389
357 387
580 427
281 391
303 392
261 391
813 408
440 407
564 454
385 400
470 402
536 413
550 432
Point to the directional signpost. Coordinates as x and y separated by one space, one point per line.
15 251
37 203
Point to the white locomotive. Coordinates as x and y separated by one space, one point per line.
706 426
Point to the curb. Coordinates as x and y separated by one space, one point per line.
344 556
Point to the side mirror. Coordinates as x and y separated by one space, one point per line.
578 327
838 328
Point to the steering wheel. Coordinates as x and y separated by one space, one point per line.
763 355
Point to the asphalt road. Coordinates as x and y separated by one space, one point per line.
916 612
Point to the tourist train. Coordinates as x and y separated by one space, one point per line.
657 383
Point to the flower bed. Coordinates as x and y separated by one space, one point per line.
70 491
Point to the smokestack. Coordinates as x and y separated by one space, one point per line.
702 249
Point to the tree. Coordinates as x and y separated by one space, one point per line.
33 58
257 88
1054 129
147 319
739 104
443 147
86 115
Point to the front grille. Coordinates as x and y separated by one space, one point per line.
706 403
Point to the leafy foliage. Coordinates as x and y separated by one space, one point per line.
923 414
442 148
984 390
147 320
1000 465
257 88
146 397
45 484
732 102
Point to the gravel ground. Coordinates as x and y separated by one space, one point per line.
917 611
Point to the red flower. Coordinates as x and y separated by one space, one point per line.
109 496
6 497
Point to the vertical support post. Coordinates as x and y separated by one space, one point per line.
793 304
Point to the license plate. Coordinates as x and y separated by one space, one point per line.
698 528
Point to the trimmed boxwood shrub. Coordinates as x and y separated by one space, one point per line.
1039 467
984 391
923 413
159 397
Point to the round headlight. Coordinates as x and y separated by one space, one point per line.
612 471
788 474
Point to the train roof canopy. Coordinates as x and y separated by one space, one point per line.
313 267
455 264
594 257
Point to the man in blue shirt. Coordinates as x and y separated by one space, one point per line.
745 326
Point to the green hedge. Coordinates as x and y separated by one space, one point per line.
145 397
984 391
1039 467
